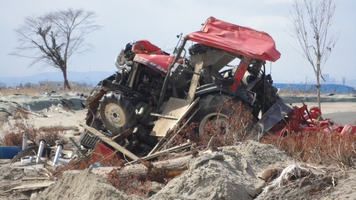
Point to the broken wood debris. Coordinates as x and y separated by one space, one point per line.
35 178
31 186
158 170
160 174
110 141
176 148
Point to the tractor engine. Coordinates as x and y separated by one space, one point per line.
148 83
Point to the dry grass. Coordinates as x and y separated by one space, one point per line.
317 147
239 123
29 91
13 133
133 184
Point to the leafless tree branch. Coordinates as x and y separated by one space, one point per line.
311 21
54 37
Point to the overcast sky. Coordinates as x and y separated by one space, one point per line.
160 22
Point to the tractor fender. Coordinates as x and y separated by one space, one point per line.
211 89
247 96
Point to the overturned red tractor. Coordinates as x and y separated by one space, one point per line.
152 90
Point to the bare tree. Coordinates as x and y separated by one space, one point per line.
311 22
54 37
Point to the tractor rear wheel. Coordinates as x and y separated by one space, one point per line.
208 112
215 110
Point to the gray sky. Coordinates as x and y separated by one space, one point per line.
160 21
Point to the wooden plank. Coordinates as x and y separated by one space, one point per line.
35 178
176 148
32 186
172 127
122 135
109 141
175 107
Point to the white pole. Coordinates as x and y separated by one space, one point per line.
58 152
40 150
24 140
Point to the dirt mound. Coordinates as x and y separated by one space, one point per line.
84 185
232 176
10 177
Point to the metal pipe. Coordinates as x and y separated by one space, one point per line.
166 79
40 150
58 152
63 160
24 140
9 152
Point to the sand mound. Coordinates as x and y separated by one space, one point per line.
84 185
235 176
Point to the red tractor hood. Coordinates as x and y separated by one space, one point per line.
236 39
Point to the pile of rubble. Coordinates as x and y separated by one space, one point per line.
243 171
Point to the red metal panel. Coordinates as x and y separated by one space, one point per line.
158 63
146 47
102 152
239 74
236 39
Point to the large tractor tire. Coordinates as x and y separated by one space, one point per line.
208 112
212 109
117 113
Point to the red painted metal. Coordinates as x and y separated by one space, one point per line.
348 129
236 39
102 152
159 63
146 47
298 120
239 73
